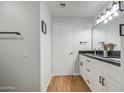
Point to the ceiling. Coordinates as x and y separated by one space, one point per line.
87 9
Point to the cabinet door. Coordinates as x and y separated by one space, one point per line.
98 87
81 66
111 85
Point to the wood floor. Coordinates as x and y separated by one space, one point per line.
67 84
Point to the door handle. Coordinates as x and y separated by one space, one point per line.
71 53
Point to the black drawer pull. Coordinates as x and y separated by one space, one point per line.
88 70
81 63
103 81
88 81
100 77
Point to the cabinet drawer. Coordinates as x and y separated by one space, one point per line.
88 60
88 68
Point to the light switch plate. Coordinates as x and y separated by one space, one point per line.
26 53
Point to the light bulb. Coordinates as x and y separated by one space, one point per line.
102 17
107 13
105 21
115 7
115 14
98 21
110 18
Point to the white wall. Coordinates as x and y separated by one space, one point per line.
45 43
17 71
82 32
122 64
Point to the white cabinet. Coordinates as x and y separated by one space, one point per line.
100 76
86 70
110 76
98 87
104 83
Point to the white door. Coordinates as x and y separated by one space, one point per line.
63 49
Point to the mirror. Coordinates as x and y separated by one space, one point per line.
108 33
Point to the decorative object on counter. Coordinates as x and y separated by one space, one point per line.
108 47
43 27
105 48
105 54
94 51
111 46
121 27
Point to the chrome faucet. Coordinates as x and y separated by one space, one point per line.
94 51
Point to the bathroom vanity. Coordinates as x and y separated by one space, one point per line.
101 74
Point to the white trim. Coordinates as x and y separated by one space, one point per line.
45 90
76 74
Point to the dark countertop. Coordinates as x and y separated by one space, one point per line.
111 59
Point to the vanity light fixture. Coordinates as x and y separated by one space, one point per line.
109 13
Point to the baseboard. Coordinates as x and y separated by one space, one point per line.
76 74
45 90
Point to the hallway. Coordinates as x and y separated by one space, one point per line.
67 84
